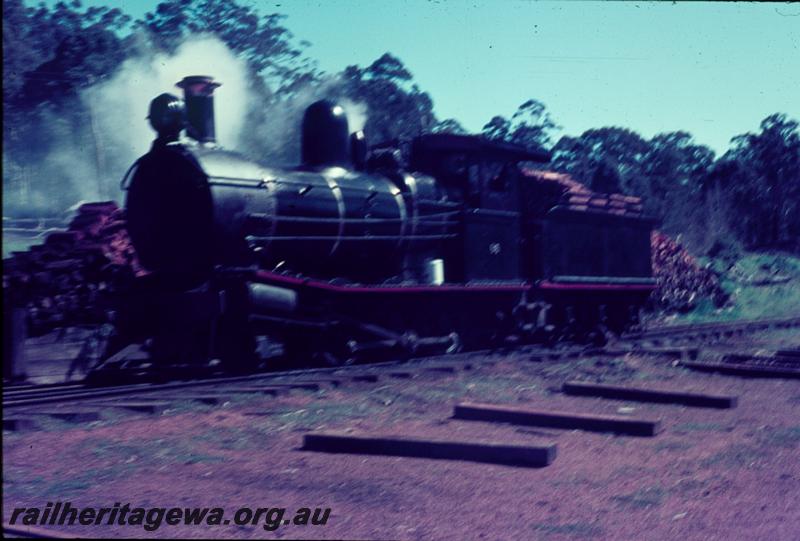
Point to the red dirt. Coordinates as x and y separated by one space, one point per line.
711 474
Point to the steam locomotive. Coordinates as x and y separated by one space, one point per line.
360 253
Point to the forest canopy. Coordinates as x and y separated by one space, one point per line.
748 197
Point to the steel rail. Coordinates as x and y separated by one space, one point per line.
712 327
55 393
87 392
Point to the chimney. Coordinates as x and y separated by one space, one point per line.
198 92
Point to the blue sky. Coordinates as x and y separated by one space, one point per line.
713 69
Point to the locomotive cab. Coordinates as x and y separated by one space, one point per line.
484 175
483 171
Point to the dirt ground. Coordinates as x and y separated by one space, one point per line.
710 474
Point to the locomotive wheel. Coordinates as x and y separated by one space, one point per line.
298 351
236 348
233 338
597 338
309 349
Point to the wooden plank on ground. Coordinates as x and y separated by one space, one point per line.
18 424
732 369
260 389
306 385
673 352
446 369
141 406
369 378
70 416
209 399
638 394
555 419
618 352
222 396
494 453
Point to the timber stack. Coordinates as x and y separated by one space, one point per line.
68 280
681 281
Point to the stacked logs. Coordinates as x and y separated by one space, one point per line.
549 188
681 282
69 280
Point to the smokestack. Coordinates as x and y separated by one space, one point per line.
198 91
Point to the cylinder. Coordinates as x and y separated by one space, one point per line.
267 298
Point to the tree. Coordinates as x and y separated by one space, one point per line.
398 109
762 174
263 40
673 168
19 52
449 125
606 177
623 147
79 61
530 126
52 53
497 129
388 68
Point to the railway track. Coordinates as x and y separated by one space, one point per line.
679 341
703 331
662 341
15 397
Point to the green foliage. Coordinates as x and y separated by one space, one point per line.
581 156
761 174
606 177
751 195
449 125
398 109
50 53
752 299
672 170
262 39
530 126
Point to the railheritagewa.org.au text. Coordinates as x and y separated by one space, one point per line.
153 518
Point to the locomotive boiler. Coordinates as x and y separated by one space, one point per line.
359 253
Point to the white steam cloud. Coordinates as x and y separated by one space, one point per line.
356 114
89 163
120 104
85 158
